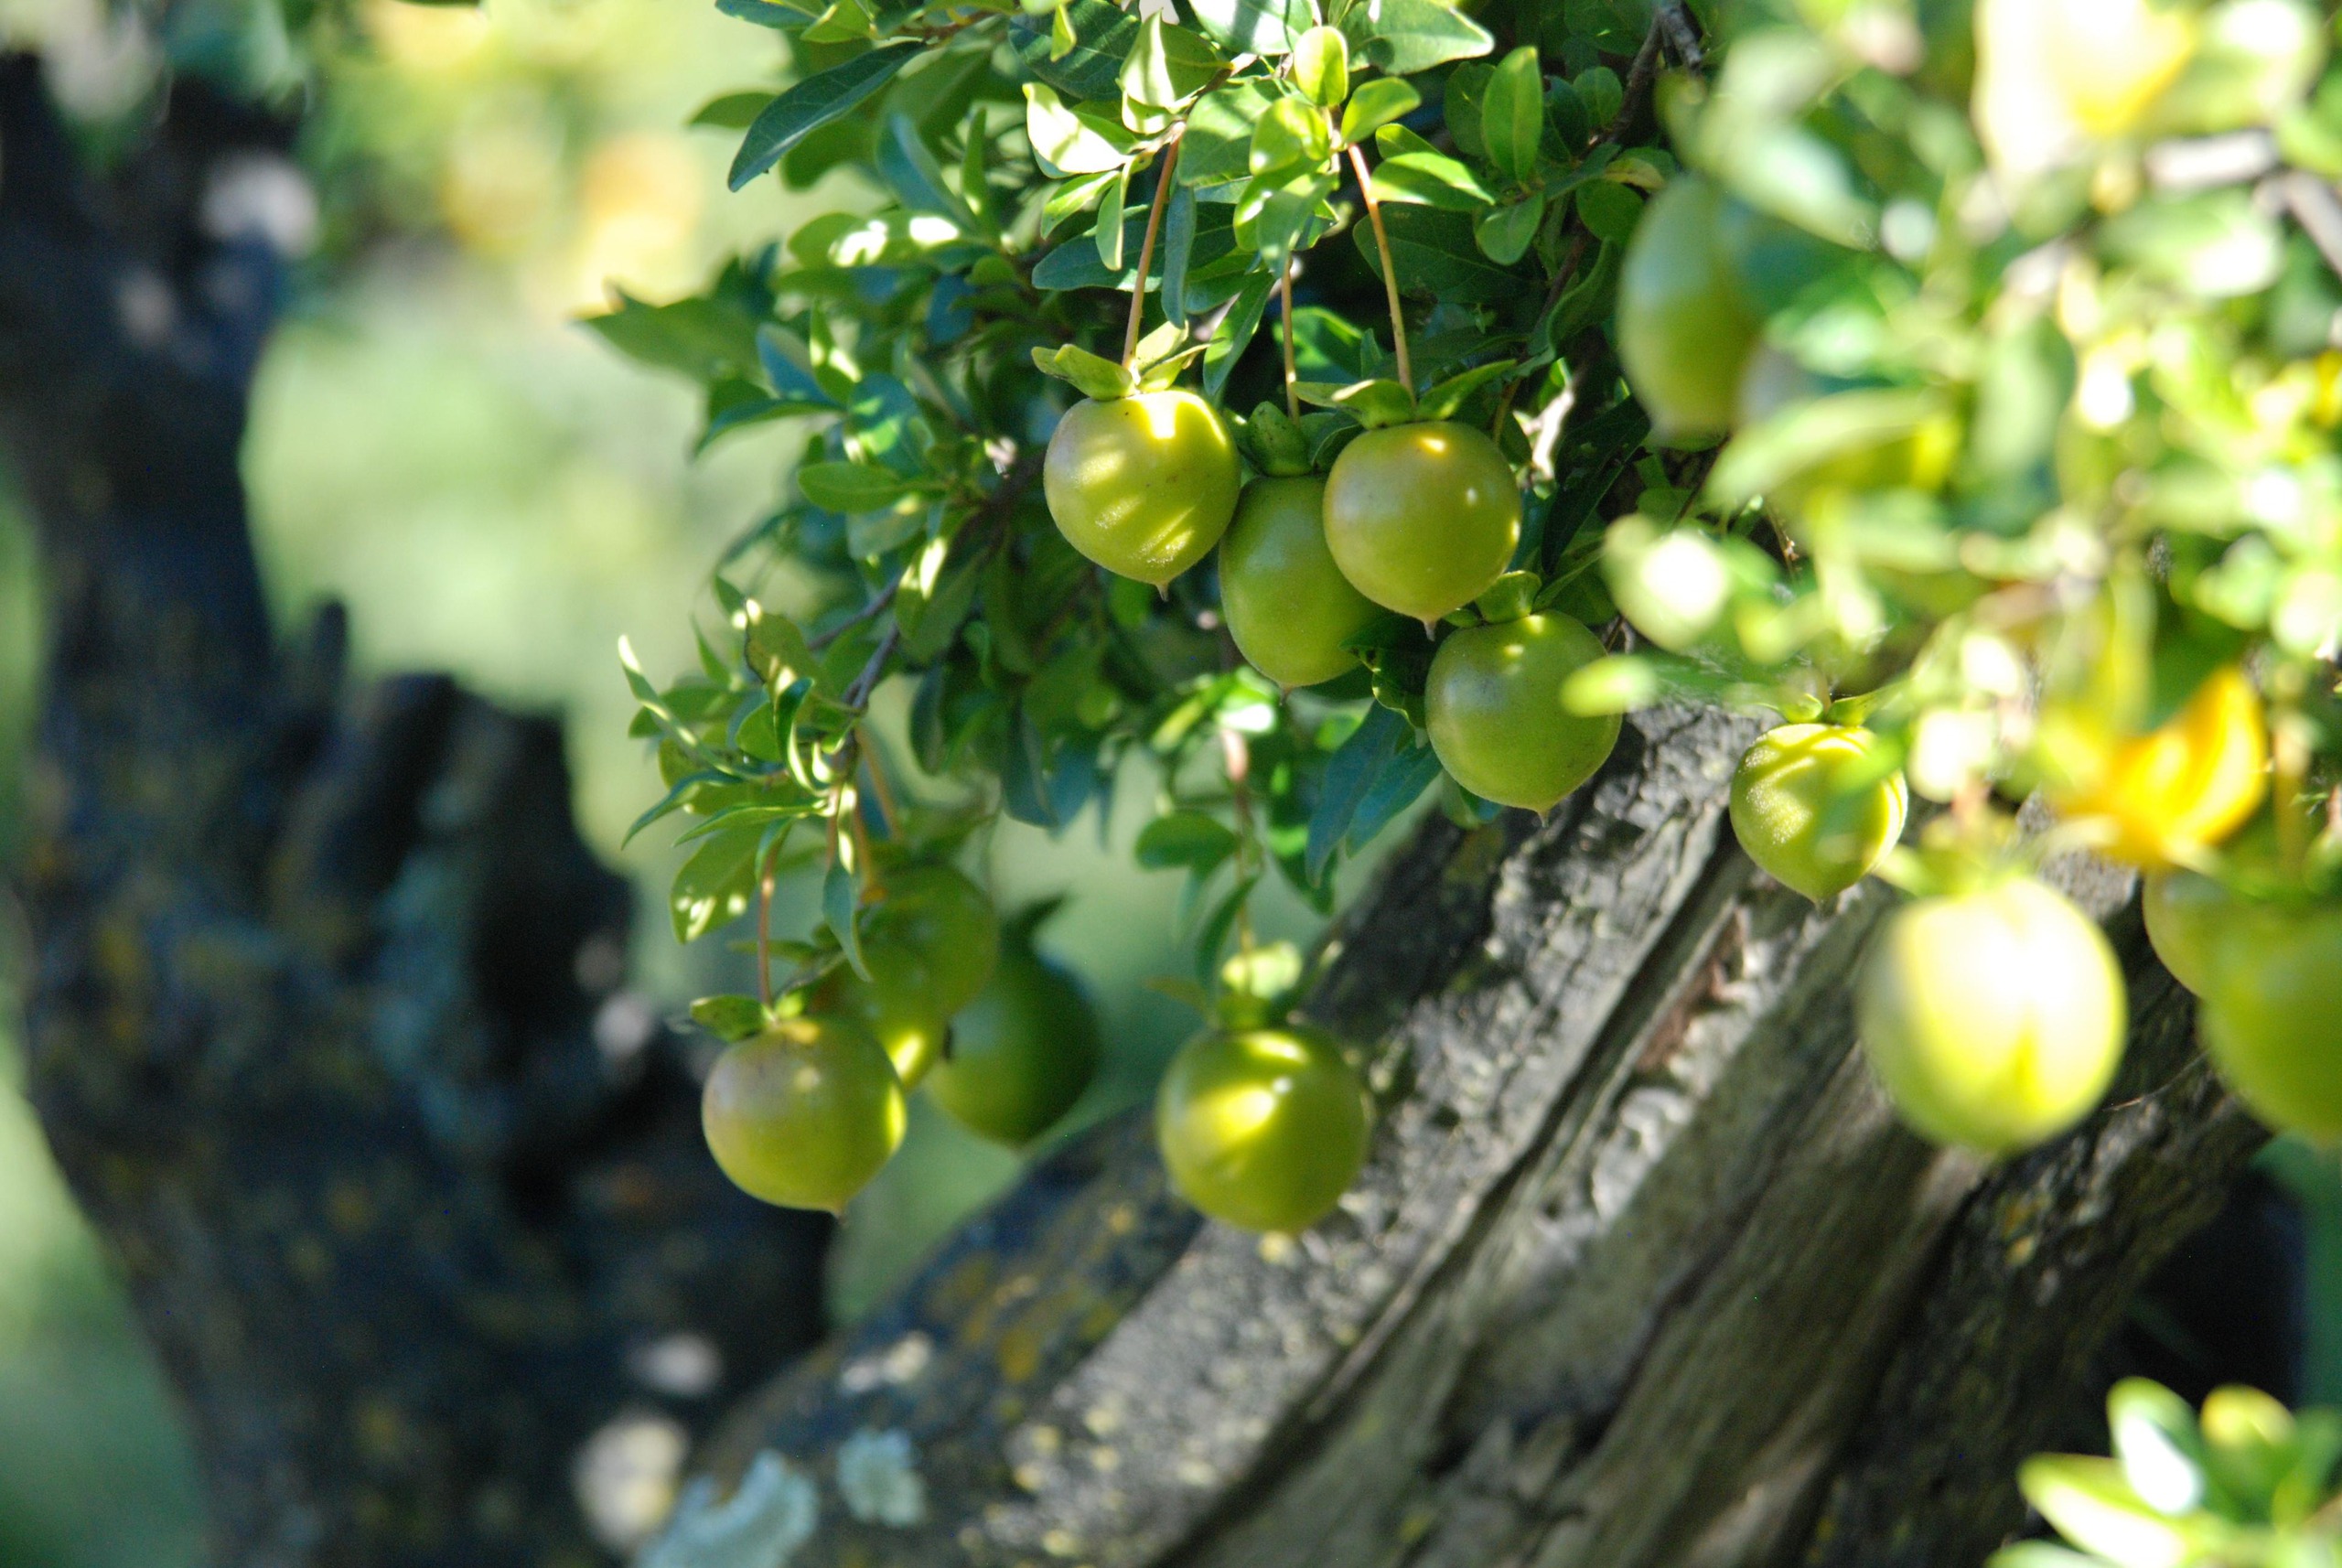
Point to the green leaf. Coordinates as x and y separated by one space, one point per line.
1444 398
1090 71
702 337
916 179
1219 141
1229 338
1095 377
1291 135
1394 788
1376 404
1213 936
1461 104
1168 65
842 903
1435 254
1404 37
1349 773
1107 235
714 886
1185 840
1321 67
730 1018
2158 1445
1377 103
1430 179
1608 210
1252 27
1512 113
814 103
2091 1507
1505 233
732 110
1600 91
850 487
1179 251
1068 141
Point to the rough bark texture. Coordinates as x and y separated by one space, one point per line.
1642 1272
320 1020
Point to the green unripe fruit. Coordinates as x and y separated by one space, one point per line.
2272 1016
1994 1018
2185 913
1793 814
1684 328
1422 517
1142 485
930 946
803 1114
1493 706
1021 1053
1262 1128
1288 605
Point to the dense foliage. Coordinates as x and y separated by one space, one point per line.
1962 384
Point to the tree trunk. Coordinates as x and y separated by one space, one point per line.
320 1021
1642 1272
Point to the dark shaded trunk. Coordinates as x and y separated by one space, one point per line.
1642 1272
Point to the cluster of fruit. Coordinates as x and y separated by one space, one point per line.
1418 518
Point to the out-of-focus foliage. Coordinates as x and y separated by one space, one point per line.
2243 1484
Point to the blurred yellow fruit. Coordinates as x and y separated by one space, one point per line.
2168 795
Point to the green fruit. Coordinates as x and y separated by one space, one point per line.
1144 486
930 946
1021 1053
1494 708
1994 1019
1685 327
1422 517
803 1114
1288 605
2185 913
1801 814
2270 1019
1262 1128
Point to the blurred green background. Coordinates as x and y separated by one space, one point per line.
494 492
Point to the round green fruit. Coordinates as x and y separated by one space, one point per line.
1422 517
2270 1020
1684 328
1994 1019
2186 911
1287 603
1144 485
1262 1128
1803 813
1494 708
930 945
803 1114
1021 1053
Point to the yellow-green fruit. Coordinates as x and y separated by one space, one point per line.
1493 704
1684 328
1422 517
1021 1053
1144 485
1262 1128
1994 1018
803 1114
1803 811
2187 912
2272 1018
1288 605
930 946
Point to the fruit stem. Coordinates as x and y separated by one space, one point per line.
764 931
1235 758
1285 299
1390 272
1146 245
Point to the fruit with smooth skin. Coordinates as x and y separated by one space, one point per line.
2185 913
1146 485
930 945
1021 1053
1262 1128
1685 326
1994 1018
1287 603
2271 1017
2175 791
1422 517
1493 704
1809 808
803 1114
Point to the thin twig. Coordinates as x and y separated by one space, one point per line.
1568 270
1146 246
858 695
2316 209
1639 76
877 607
1683 33
1390 271
1285 298
764 932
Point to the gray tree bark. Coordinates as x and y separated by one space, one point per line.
1642 1272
